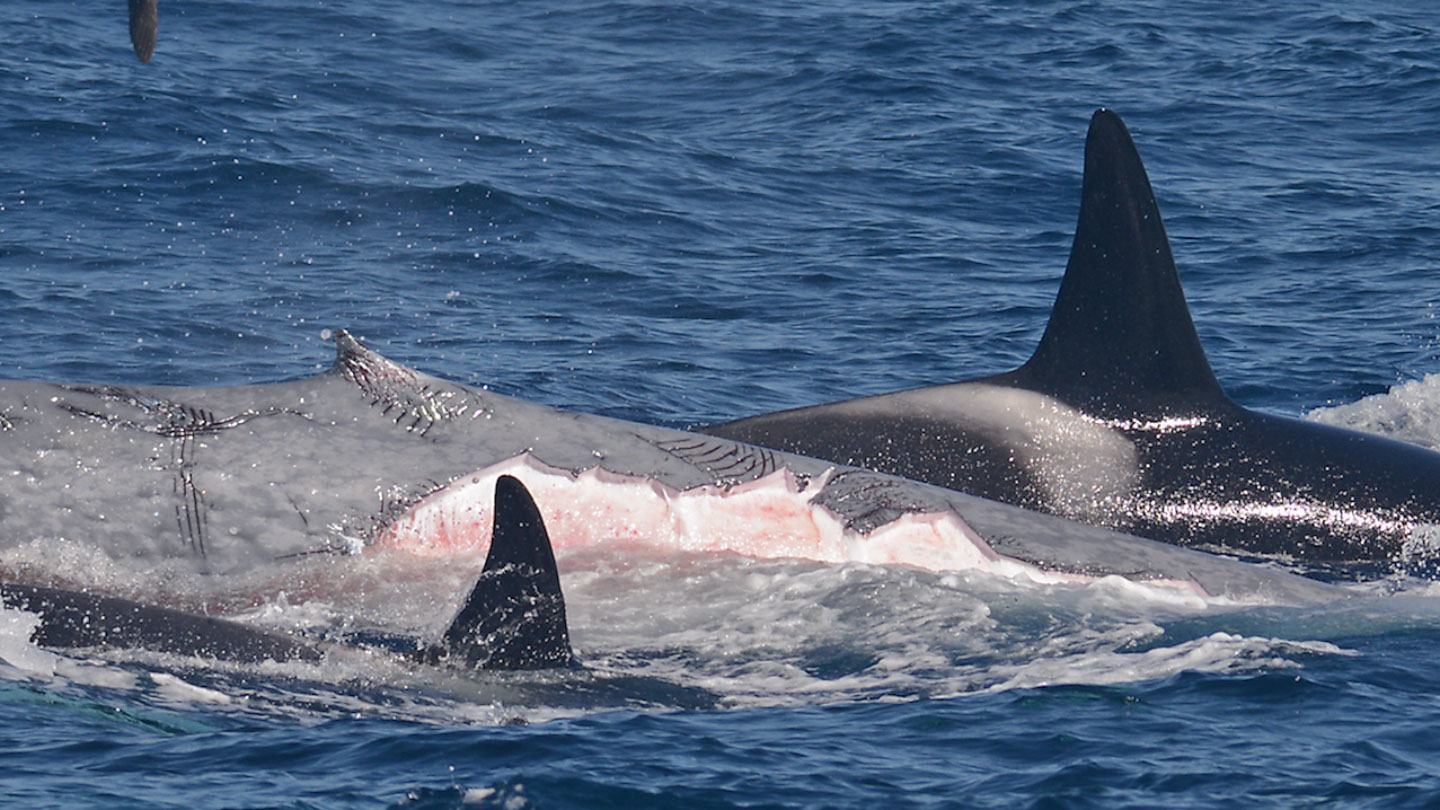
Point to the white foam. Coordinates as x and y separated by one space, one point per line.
760 633
173 688
749 632
1217 652
16 629
1409 411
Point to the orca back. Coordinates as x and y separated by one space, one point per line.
76 619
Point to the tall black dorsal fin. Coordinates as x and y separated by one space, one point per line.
514 617
1120 338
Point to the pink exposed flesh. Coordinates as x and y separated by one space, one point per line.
766 518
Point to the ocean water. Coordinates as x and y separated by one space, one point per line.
682 213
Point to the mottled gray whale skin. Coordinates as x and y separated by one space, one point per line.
1118 421
234 478
513 618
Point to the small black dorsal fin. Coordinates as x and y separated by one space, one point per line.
1120 338
514 617
144 20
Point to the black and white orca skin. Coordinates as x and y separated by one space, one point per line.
513 619
1117 420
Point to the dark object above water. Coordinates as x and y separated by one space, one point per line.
1118 421
144 19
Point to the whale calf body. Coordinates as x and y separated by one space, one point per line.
178 487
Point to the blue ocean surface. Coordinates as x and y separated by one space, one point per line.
684 213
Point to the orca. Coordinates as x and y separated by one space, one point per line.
189 491
1118 421
513 618
144 20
